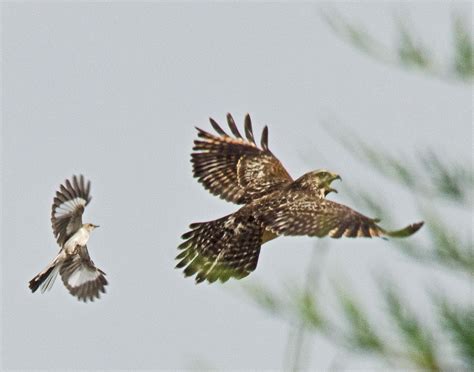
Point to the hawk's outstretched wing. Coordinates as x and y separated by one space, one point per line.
299 213
81 277
234 168
68 207
221 249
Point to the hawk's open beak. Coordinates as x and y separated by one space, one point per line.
329 190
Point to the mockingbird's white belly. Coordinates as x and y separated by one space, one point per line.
79 238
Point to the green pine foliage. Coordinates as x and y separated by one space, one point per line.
410 51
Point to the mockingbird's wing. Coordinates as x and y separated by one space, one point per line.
300 213
68 207
81 277
234 168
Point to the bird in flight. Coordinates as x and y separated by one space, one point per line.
234 168
78 273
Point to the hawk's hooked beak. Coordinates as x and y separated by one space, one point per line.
336 177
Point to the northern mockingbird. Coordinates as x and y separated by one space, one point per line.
79 274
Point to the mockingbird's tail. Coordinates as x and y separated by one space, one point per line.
45 279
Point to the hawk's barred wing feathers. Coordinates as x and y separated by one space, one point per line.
299 213
68 207
234 168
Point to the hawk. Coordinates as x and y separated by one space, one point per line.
78 273
234 168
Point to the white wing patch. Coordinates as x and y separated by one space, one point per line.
81 276
69 206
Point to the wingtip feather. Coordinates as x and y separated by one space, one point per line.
248 129
217 127
233 126
264 139
406 231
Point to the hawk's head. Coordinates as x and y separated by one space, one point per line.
318 181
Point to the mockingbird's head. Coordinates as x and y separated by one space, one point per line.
90 226
318 181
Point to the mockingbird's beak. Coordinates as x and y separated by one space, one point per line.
96 226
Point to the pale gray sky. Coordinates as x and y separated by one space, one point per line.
114 90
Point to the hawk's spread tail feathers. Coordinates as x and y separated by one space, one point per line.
221 249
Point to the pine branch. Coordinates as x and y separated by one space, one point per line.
410 51
458 321
418 341
360 333
427 177
463 48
